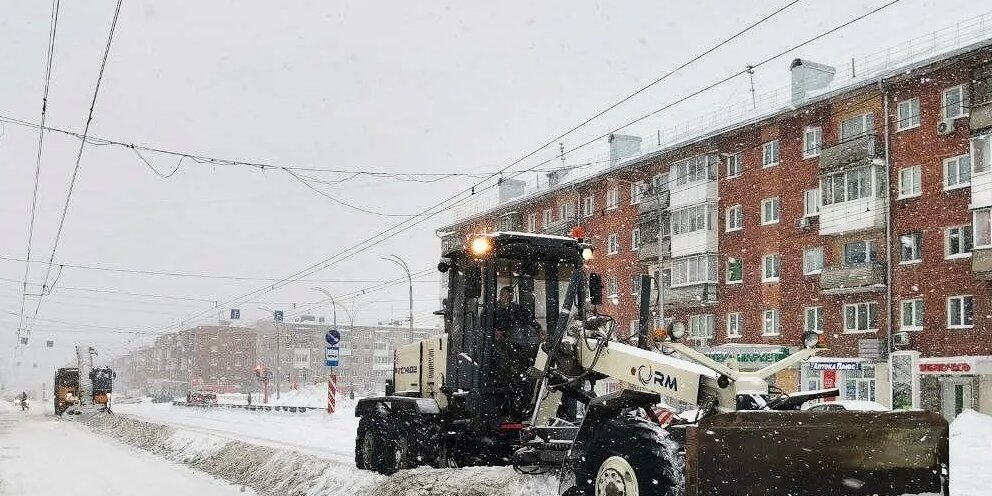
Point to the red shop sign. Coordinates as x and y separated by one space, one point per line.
941 368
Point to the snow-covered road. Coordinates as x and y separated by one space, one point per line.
42 455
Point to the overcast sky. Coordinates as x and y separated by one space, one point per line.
385 86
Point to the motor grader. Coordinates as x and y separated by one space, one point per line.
512 383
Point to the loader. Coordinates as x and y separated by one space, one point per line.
511 381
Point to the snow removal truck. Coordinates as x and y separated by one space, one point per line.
511 383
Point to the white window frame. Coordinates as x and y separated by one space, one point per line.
734 213
589 206
734 325
695 169
981 153
532 222
686 220
961 109
635 284
948 232
867 126
635 239
612 287
612 198
916 309
637 190
735 165
916 248
816 132
910 182
770 154
697 269
843 179
869 309
566 211
727 272
613 244
950 319
771 322
702 326
547 218
958 182
906 119
981 228
771 261
807 271
813 319
812 208
776 210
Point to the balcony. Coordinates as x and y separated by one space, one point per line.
650 251
561 227
853 215
863 278
980 116
510 221
691 296
850 152
981 263
651 202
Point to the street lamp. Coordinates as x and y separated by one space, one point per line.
399 261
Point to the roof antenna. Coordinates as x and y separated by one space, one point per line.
750 73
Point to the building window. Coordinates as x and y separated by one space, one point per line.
957 172
981 85
860 252
911 247
213 348
637 191
955 102
613 244
861 317
734 325
812 141
612 198
735 218
547 218
912 315
698 168
851 185
982 228
691 219
612 287
857 126
635 284
908 114
694 270
813 260
909 181
735 270
770 267
701 326
770 327
532 222
860 384
769 211
566 211
734 165
813 319
960 312
588 206
958 241
635 239
769 154
811 203
981 152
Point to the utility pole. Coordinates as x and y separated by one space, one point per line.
84 362
399 261
278 357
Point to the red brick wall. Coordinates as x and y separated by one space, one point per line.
232 362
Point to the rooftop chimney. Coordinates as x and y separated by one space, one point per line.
623 146
510 189
807 77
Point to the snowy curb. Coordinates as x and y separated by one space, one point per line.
266 470
284 472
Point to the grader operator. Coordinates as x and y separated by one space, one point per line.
510 382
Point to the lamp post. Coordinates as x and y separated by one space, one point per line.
399 261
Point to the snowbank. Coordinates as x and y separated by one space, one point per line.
971 447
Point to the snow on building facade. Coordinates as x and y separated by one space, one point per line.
860 211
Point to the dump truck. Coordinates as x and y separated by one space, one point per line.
66 389
512 381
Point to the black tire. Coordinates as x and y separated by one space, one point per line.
374 449
639 444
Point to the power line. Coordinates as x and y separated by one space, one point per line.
439 207
53 29
79 154
340 202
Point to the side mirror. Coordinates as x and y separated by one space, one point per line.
595 289
443 267
473 281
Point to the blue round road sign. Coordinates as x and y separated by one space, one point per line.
333 337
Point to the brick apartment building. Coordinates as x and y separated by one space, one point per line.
860 210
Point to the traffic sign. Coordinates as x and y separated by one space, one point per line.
333 337
235 314
331 360
277 315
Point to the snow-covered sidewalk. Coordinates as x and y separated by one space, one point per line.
42 455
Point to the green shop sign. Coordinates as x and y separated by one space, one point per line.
750 356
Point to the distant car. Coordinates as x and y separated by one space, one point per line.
203 398
851 405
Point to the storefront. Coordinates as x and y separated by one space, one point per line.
749 357
856 378
951 384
